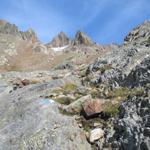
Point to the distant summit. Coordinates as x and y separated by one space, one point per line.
11 29
82 39
60 40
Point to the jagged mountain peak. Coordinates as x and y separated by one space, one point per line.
140 34
82 38
12 29
61 39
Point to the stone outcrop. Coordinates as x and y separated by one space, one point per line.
139 35
140 75
116 65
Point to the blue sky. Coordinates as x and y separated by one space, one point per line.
105 21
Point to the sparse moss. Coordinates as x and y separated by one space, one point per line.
111 109
64 100
117 96
66 89
70 87
125 92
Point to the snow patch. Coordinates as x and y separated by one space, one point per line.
58 49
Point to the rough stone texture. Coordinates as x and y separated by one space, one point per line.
131 128
135 122
139 76
29 121
96 134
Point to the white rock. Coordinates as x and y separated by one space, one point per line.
96 134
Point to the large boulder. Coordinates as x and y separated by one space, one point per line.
29 121
92 108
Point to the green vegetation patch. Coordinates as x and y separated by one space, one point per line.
64 100
125 92
111 109
69 87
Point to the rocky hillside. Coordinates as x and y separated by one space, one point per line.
73 94
23 51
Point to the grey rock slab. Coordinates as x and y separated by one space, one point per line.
28 121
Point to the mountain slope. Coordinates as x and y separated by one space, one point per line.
78 96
